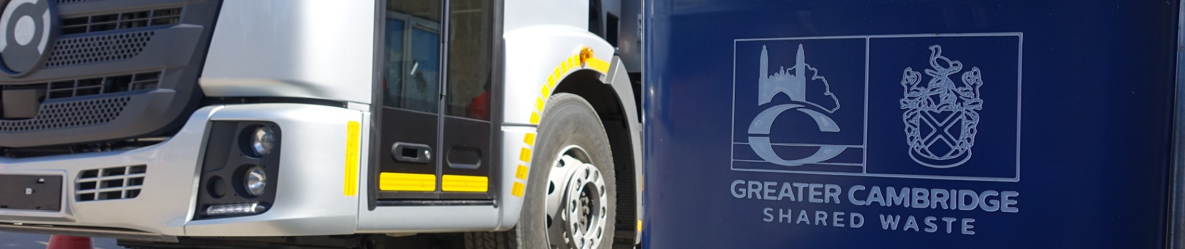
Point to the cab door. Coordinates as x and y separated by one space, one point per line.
434 124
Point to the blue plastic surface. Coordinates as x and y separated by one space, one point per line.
1055 117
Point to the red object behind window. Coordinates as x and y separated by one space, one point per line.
479 107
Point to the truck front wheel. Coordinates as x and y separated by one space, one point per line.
571 195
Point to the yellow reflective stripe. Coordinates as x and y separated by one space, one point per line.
521 172
599 65
518 189
524 155
567 65
353 137
570 63
459 183
529 139
407 182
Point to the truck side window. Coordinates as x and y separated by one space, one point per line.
411 72
470 59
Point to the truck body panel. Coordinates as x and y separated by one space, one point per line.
297 49
316 78
818 124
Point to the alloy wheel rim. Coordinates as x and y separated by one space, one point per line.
577 205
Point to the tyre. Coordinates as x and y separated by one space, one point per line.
570 199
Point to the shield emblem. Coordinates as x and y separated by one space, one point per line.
941 116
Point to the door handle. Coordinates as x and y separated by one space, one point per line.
412 153
460 157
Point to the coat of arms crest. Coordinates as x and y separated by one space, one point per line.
940 116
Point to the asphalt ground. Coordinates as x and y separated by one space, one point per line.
39 241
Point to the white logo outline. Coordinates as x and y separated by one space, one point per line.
959 103
793 86
743 161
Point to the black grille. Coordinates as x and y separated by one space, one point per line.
110 183
94 86
90 95
102 85
94 49
124 20
69 114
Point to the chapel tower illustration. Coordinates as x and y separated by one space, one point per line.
793 85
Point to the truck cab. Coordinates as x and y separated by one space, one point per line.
233 122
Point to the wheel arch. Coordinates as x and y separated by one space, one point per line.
614 103
532 75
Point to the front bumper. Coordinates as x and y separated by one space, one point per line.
309 194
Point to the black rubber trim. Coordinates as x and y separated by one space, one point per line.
260 100
497 96
376 106
435 203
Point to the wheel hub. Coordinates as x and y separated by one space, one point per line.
576 203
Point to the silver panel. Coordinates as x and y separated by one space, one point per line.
309 196
162 207
309 201
532 54
292 48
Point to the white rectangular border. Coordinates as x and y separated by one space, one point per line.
867 42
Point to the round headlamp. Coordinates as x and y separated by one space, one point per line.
262 140
255 181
